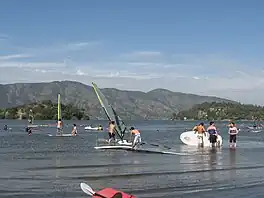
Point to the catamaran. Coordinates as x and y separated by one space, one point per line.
121 128
60 118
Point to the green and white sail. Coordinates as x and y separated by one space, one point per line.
110 112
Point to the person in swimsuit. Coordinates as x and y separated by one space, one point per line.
111 131
137 137
200 130
212 134
29 130
74 130
59 127
233 131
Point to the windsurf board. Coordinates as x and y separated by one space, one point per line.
191 139
63 135
129 148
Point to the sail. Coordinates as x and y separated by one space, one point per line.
30 117
110 112
59 107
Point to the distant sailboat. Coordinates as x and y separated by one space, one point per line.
60 119
31 120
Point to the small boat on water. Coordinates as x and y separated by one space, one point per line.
100 128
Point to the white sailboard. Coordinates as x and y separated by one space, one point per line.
111 114
91 128
129 148
60 117
121 129
191 139
62 135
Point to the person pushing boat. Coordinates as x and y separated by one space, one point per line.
137 137
59 127
212 134
233 131
111 131
200 130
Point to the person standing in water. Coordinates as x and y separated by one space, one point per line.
111 131
59 127
233 131
137 137
212 134
200 130
74 130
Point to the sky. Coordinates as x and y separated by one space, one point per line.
207 47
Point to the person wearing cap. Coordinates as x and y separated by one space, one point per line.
200 130
137 137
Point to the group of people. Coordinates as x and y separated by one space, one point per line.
134 132
60 128
213 133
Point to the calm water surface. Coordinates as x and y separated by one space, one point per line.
43 166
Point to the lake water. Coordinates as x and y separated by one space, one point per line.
43 166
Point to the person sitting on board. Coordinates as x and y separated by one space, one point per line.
59 127
212 134
74 130
111 131
200 130
137 137
233 131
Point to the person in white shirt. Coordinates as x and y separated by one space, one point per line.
233 131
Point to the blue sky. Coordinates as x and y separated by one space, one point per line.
204 47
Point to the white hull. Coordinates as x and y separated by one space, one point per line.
256 128
129 148
191 139
91 128
124 143
63 135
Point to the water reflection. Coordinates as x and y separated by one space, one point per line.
232 164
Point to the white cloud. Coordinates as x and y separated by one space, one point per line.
14 56
207 74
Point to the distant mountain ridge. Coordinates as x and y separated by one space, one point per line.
155 104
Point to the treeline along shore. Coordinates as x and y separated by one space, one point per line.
47 110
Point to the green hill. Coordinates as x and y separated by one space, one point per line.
222 111
156 104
